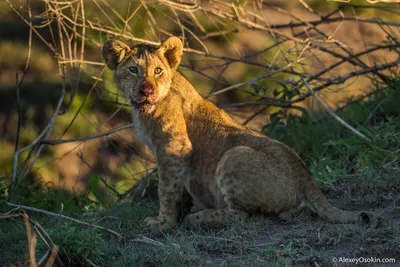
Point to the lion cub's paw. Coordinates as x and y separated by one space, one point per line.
158 224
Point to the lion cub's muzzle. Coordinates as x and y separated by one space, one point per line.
145 102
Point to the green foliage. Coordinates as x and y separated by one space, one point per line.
13 241
46 197
3 189
94 184
331 150
78 246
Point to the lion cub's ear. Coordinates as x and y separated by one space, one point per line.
113 52
172 49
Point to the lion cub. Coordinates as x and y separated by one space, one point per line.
227 169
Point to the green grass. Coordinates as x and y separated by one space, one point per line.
257 241
353 173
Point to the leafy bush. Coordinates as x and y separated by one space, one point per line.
331 150
43 196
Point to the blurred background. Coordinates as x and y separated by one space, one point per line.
57 97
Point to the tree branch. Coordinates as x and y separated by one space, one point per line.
66 218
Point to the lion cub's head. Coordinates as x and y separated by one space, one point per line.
143 72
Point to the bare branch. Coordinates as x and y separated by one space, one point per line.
81 139
330 112
102 228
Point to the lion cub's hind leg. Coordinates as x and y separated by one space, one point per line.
248 185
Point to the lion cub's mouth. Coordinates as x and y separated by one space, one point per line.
143 105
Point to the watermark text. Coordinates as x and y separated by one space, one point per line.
362 260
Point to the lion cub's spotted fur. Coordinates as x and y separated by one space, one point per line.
205 157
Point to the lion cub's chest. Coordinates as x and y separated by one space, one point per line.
141 132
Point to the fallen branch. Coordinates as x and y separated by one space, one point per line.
32 239
66 218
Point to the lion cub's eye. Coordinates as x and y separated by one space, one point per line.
157 70
133 70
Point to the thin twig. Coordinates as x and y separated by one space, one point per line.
331 20
255 114
342 79
136 187
17 84
81 139
102 228
330 112
83 103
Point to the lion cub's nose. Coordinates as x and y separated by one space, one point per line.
147 89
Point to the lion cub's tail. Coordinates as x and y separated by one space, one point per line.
326 210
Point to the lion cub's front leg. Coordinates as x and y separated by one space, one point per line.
172 162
